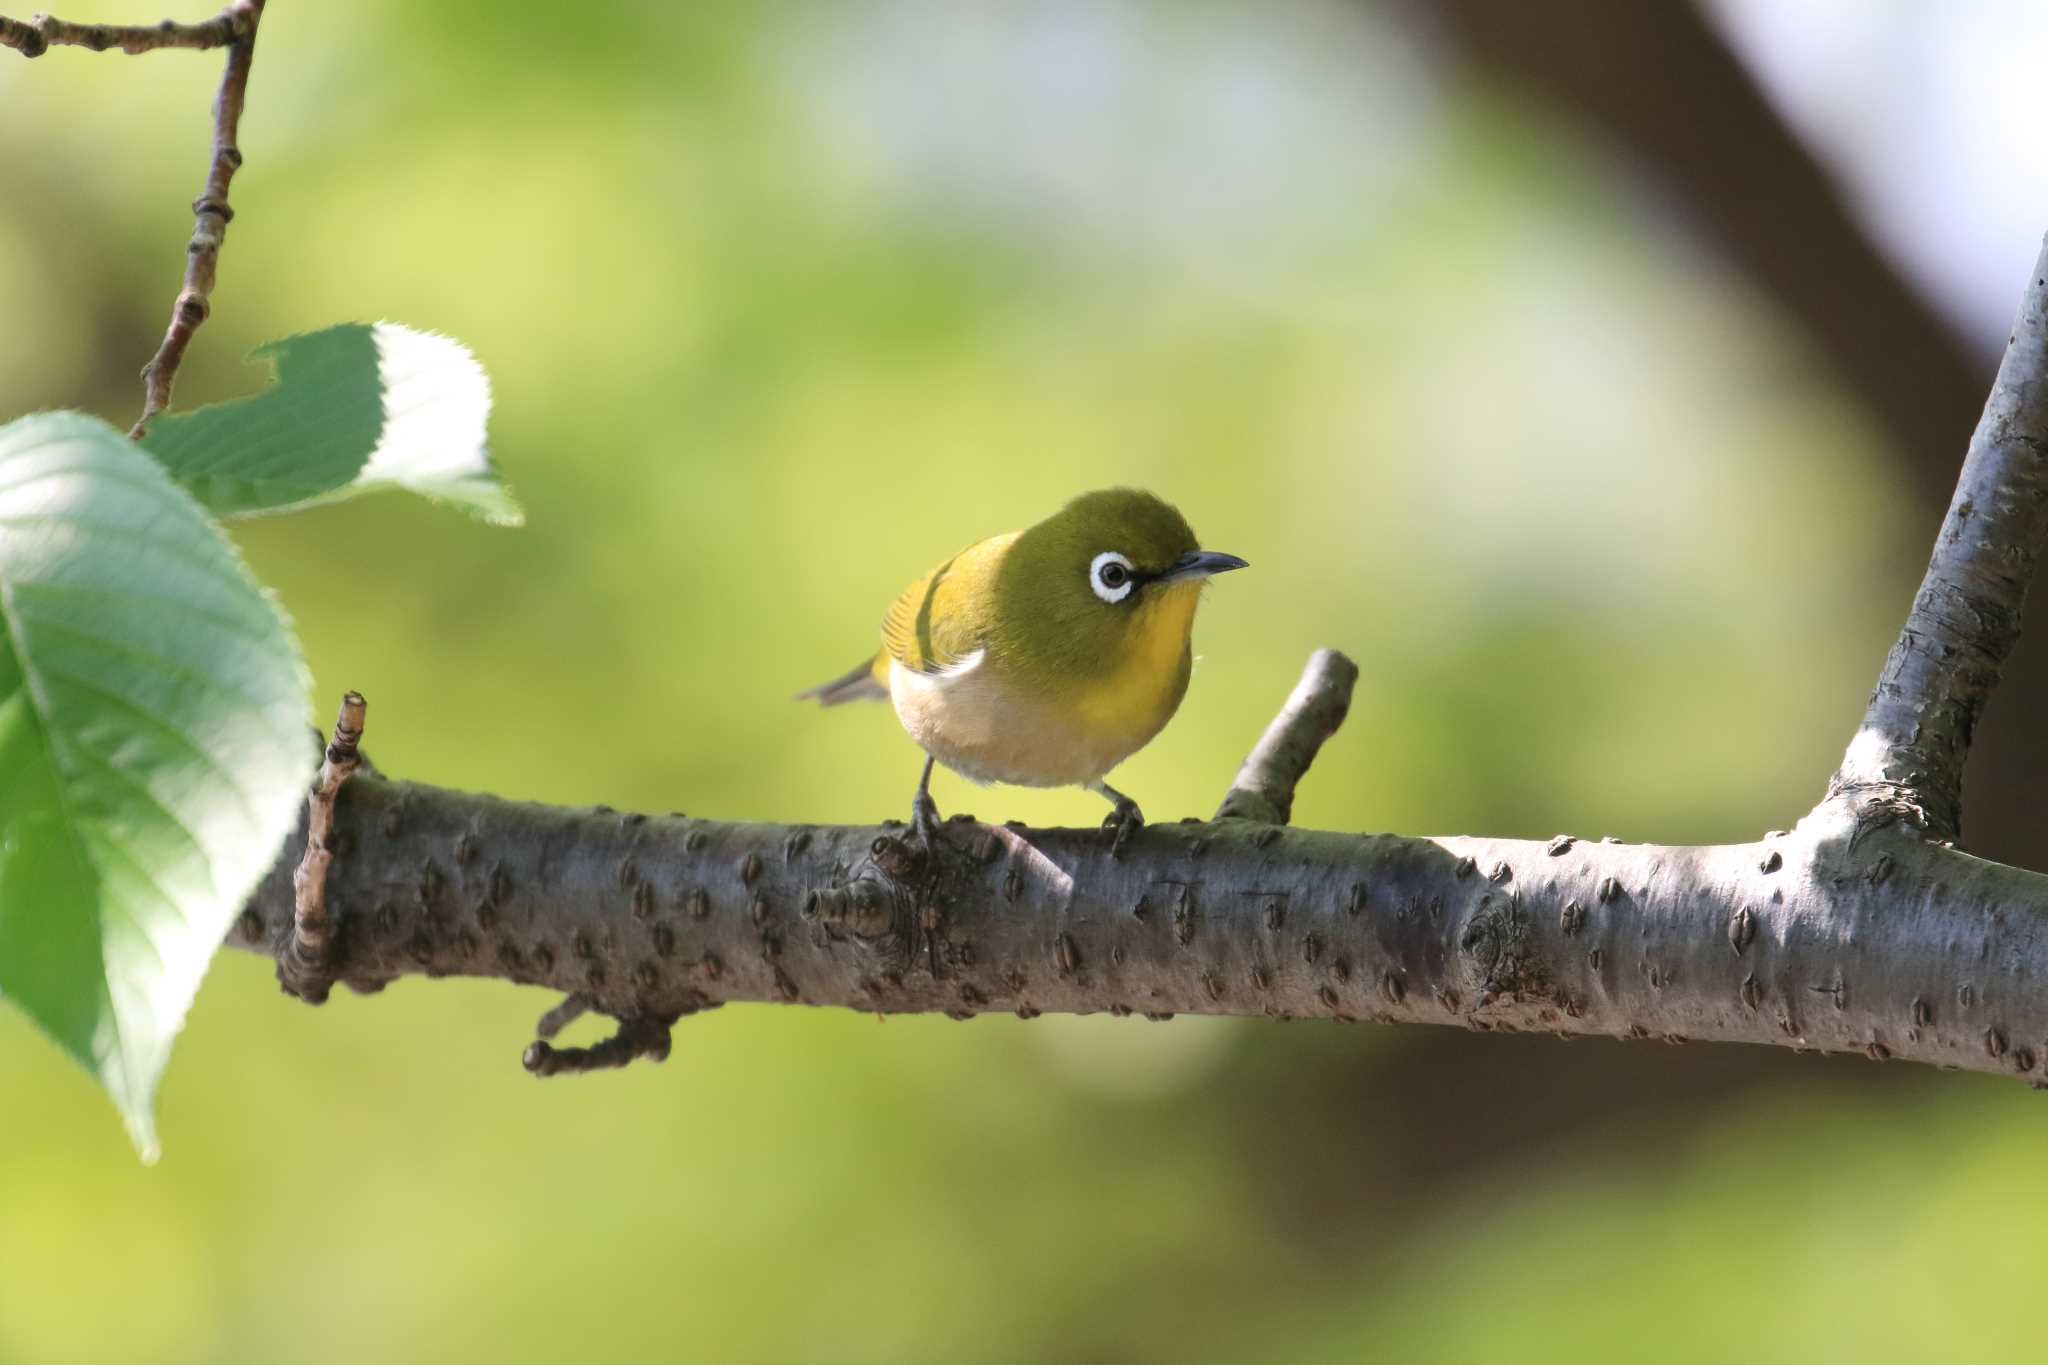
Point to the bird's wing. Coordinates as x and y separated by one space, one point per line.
938 625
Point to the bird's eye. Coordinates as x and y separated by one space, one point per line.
1110 576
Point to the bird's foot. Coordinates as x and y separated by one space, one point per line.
1121 823
924 820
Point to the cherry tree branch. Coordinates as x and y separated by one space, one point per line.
1888 946
45 31
235 29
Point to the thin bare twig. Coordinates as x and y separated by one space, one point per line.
235 29
45 31
211 216
573 1007
638 1036
303 964
1264 787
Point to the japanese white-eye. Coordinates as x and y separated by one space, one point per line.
1044 657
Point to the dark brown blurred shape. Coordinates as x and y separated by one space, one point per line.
1445 1119
1657 81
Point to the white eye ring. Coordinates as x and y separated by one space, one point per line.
1111 576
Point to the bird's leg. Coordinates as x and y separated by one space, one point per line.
924 812
1125 820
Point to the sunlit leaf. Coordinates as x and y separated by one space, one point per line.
153 749
355 408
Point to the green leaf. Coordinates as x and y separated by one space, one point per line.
153 750
355 408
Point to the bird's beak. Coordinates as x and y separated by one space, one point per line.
1202 563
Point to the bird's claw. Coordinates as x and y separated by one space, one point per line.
1121 823
924 820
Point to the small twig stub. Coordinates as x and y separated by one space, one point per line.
638 1036
303 965
1264 787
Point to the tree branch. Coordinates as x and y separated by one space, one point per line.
44 31
211 216
1890 946
235 29
1907 759
1746 178
1264 788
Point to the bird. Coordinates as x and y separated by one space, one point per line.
1044 657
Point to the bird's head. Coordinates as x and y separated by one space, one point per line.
1111 577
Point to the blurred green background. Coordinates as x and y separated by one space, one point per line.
782 303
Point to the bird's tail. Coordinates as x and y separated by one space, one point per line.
864 682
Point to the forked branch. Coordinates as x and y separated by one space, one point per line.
235 29
1906 761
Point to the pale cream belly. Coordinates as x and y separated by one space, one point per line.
985 731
